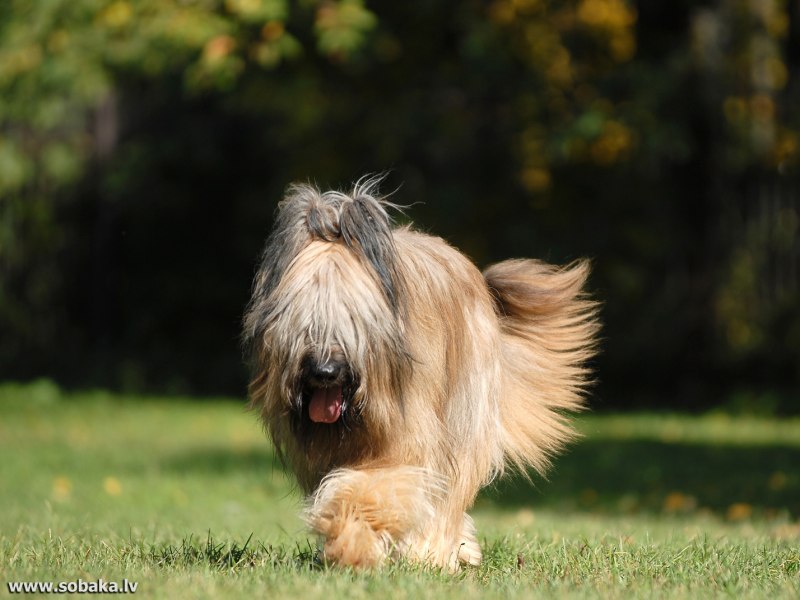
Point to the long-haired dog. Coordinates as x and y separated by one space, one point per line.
396 380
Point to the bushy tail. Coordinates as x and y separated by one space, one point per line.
548 330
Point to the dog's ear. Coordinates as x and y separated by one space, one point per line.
303 214
290 234
366 228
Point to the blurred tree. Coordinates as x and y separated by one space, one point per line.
66 66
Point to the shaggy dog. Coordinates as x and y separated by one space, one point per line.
396 380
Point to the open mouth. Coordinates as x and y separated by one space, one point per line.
325 404
326 393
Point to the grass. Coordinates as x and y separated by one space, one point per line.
186 498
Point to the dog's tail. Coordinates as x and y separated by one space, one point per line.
548 333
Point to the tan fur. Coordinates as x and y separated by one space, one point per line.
468 373
370 514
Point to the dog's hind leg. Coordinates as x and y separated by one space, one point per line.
449 542
469 551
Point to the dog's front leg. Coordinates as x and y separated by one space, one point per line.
367 515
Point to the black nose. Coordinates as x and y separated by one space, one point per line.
327 371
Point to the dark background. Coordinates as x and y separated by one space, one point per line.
144 146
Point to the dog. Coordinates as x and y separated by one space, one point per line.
396 380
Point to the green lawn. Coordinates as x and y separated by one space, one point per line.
186 499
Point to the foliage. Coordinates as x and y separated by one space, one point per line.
66 66
144 144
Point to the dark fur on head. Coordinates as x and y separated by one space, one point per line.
359 220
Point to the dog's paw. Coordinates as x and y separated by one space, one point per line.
366 516
469 551
446 548
356 544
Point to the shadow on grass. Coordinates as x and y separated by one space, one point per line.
613 476
652 476
218 461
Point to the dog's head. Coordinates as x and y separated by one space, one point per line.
324 327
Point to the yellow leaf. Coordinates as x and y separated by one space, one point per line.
218 48
116 14
739 511
679 502
62 487
112 486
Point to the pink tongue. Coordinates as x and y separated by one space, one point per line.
326 405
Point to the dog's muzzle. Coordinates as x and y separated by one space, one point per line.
326 383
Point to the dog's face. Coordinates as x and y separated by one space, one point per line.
325 324
328 338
